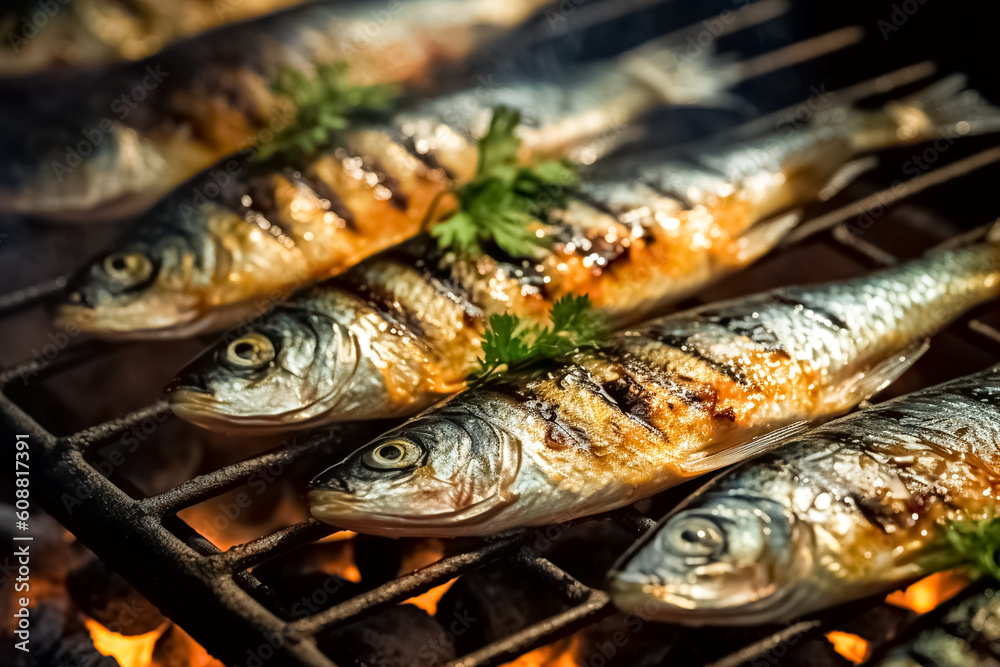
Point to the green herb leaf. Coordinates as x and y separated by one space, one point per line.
512 343
503 200
974 543
326 104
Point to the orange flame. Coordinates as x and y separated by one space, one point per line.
929 592
852 647
562 653
341 563
428 601
196 655
129 651
227 521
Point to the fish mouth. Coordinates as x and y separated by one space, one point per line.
337 509
662 602
107 325
201 408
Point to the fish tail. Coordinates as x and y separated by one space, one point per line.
946 109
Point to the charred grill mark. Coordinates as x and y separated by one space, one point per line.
812 311
747 326
630 396
427 158
875 512
421 254
324 191
683 344
398 199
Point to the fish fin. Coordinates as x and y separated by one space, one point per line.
761 238
943 109
884 373
846 175
754 447
993 236
678 79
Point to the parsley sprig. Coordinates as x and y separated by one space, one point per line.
501 202
513 343
975 544
325 105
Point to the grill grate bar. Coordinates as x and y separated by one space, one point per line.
597 606
224 479
246 555
406 586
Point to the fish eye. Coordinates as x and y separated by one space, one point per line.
251 351
392 455
128 269
696 537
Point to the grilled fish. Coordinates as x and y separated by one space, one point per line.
654 406
851 509
401 331
157 124
95 32
196 263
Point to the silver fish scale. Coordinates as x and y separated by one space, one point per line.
851 509
838 326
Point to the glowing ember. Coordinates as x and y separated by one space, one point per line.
196 655
129 651
850 646
341 563
421 554
929 592
339 536
562 653
228 521
429 601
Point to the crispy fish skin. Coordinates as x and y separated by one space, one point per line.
678 397
210 98
100 32
207 263
638 235
853 508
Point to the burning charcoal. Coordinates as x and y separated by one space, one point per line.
400 636
494 603
52 643
110 600
378 558
587 551
312 578
625 640
967 635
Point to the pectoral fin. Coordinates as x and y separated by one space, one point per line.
761 238
719 455
867 384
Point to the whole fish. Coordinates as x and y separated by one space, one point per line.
198 262
654 406
402 330
113 152
855 507
85 33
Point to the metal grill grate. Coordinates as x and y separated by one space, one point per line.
212 594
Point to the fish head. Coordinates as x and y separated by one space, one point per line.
279 374
719 560
135 291
444 473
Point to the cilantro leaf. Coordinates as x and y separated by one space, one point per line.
504 199
512 343
325 105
